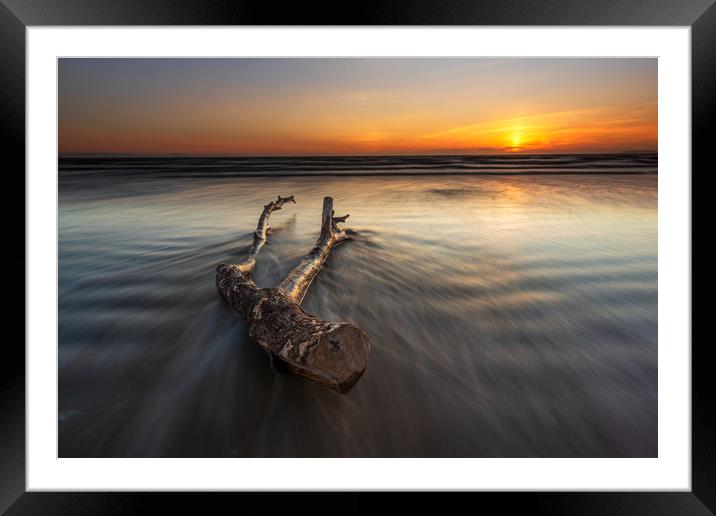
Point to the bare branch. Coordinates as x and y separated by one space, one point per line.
331 354
296 283
262 228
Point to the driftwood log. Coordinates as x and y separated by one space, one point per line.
331 354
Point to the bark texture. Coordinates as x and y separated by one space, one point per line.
332 354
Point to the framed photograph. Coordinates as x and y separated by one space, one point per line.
414 249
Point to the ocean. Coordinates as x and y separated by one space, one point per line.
511 302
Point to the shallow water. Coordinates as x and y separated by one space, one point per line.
509 315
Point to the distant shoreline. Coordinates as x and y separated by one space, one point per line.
405 174
554 164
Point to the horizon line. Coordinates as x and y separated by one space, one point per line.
229 155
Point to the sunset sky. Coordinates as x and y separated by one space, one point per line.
356 106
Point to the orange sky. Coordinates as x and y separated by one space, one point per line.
356 106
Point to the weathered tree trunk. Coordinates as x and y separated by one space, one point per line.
332 354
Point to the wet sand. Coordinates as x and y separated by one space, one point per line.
511 316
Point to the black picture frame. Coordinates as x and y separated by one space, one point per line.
17 15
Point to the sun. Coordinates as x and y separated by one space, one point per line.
516 139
